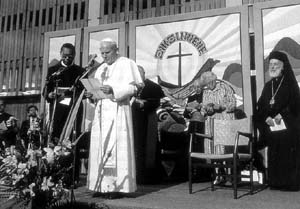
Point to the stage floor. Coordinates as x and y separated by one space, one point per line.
174 195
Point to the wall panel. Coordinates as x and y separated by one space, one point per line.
22 30
23 24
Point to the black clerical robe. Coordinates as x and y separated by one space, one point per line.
146 132
284 145
66 79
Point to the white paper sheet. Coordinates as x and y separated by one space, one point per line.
93 85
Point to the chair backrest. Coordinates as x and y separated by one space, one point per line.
224 131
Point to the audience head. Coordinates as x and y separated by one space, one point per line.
67 53
32 111
109 50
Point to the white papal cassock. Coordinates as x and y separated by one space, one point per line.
111 161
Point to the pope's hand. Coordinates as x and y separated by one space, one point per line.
106 89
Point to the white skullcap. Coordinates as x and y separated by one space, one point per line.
107 40
110 41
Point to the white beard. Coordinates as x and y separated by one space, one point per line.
275 73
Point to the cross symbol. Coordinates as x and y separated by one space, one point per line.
179 55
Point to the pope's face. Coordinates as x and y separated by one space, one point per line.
275 68
108 53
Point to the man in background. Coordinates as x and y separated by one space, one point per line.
63 76
62 87
30 129
145 129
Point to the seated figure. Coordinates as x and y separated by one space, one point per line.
213 98
8 128
30 129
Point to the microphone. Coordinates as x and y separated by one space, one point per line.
58 72
88 70
91 61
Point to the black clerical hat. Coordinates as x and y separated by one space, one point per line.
279 56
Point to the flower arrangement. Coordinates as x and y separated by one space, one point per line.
41 177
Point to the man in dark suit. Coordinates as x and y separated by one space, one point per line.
63 76
30 129
61 89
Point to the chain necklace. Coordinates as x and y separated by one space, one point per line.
272 100
109 69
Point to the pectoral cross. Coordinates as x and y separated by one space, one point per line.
179 55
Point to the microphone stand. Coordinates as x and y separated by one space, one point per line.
45 126
74 138
73 134
50 130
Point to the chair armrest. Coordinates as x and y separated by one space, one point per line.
237 138
246 134
208 136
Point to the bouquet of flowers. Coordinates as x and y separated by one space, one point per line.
38 176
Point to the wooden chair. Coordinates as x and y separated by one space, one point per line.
239 134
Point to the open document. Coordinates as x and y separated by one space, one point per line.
278 127
93 85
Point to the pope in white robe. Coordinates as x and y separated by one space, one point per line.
112 161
